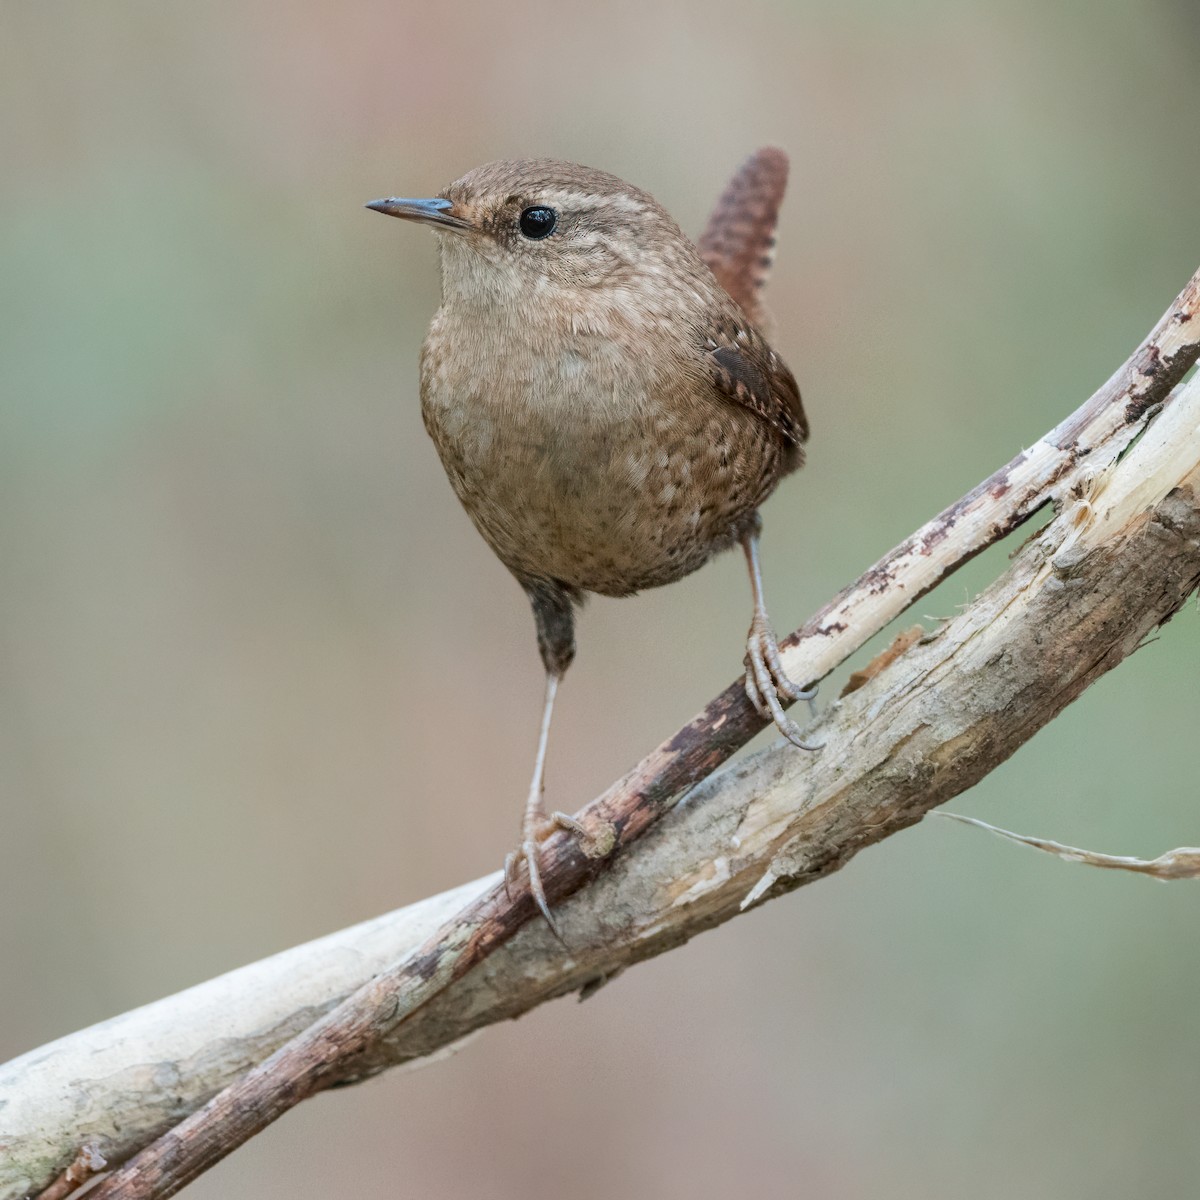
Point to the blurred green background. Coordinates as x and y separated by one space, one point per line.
259 677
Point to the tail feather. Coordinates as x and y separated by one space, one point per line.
738 243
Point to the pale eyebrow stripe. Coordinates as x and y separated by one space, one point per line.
625 203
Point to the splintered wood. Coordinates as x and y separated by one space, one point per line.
900 644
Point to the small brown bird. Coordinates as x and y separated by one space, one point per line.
603 400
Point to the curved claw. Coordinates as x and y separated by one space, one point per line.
782 680
766 679
528 853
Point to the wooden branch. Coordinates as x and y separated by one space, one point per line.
925 728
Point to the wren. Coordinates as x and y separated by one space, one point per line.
604 401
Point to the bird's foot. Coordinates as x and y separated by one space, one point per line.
766 681
534 832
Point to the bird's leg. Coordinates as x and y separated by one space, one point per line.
555 621
536 824
766 679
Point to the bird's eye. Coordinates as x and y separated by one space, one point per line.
538 222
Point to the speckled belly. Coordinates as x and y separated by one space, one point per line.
603 503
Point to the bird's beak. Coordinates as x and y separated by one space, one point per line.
436 212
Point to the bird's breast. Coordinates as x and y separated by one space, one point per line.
580 460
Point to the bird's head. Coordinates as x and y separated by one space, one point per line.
518 230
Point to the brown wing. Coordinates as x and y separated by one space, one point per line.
745 370
739 242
